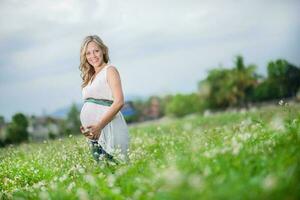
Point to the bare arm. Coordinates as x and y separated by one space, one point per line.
114 82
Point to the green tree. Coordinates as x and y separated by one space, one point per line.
2 120
266 90
73 120
283 81
2 135
244 80
219 88
285 76
164 100
180 105
17 129
231 87
63 128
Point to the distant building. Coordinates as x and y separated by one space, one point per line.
39 128
129 112
154 109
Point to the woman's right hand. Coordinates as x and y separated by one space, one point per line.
86 132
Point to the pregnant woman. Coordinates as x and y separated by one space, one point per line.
101 120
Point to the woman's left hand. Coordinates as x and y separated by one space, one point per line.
95 131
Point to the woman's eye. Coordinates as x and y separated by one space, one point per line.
87 53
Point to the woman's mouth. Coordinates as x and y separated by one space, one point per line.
94 61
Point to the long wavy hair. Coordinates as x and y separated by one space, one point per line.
87 70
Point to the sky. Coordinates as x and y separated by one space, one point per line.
159 47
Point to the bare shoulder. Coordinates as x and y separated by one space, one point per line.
112 73
112 68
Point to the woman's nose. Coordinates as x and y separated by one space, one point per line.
94 54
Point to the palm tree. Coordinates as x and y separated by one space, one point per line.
245 79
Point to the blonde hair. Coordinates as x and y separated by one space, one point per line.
87 71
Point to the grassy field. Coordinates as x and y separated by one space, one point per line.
251 154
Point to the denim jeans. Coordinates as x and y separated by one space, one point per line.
97 150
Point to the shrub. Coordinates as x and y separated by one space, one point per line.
17 129
180 105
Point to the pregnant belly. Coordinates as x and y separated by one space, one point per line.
91 113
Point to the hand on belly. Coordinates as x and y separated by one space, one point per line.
86 132
94 131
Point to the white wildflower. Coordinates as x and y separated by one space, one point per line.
63 178
171 175
281 102
246 122
195 181
208 154
121 171
81 170
101 157
38 184
187 126
236 146
90 179
244 136
70 186
82 194
111 180
277 123
207 113
269 182
44 195
243 111
64 157
53 185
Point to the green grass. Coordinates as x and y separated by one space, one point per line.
229 155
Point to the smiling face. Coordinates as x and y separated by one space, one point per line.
94 54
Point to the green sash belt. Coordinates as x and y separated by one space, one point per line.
104 102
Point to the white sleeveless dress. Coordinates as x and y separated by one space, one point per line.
114 138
